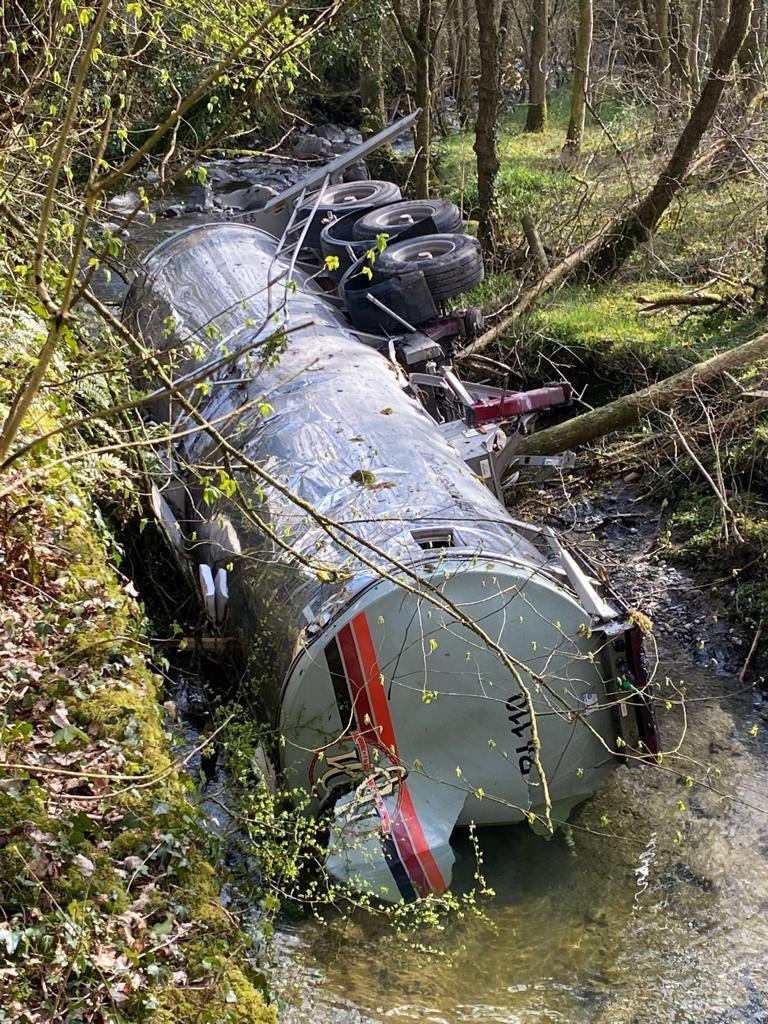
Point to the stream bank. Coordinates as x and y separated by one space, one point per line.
110 879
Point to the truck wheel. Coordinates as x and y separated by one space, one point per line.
390 220
451 264
348 197
336 239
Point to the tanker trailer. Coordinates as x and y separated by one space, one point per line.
428 661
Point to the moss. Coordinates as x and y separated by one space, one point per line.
232 997
104 886
130 713
22 806
80 640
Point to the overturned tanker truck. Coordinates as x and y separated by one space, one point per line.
428 660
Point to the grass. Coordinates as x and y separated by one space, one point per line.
716 224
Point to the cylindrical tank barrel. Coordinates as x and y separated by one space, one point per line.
366 666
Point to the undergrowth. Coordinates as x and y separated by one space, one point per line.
109 877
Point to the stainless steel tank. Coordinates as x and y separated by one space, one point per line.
391 710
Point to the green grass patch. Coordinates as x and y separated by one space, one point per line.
716 223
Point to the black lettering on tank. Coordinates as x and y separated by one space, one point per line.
520 717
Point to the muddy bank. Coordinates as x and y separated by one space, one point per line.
623 531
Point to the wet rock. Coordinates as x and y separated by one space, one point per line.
221 177
176 210
311 146
332 134
199 200
353 136
252 198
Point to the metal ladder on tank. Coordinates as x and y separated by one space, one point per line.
290 244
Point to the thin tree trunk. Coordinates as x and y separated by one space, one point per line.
632 408
420 42
423 98
721 10
750 60
579 83
536 118
486 126
663 76
679 54
463 22
535 248
694 50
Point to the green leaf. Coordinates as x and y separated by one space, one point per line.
70 733
163 927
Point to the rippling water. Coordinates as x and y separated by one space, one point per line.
573 933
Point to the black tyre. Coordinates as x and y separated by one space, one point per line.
451 264
404 293
348 197
391 220
336 239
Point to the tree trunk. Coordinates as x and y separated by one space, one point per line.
463 57
536 118
637 226
579 83
421 43
486 126
720 14
750 60
663 76
694 50
631 408
423 98
679 55
374 107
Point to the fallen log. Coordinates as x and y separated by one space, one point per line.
660 302
629 409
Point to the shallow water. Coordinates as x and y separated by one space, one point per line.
573 933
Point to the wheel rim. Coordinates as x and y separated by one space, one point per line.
420 249
403 218
344 195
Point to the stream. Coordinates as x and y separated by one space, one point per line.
577 932
651 908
